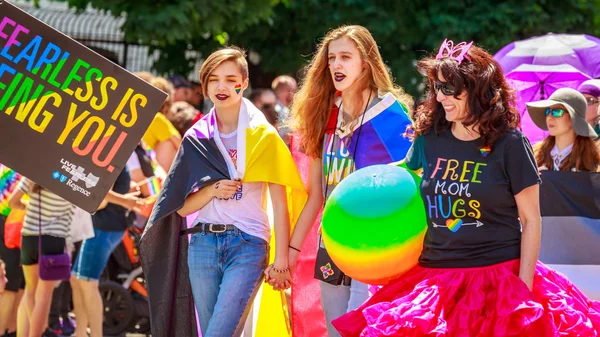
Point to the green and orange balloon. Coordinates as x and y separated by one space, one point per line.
374 223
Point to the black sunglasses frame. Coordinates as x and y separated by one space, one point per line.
446 88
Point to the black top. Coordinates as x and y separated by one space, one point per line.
115 218
468 194
145 161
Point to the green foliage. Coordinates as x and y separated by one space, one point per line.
285 33
408 30
175 26
165 22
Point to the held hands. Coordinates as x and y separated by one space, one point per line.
225 189
279 279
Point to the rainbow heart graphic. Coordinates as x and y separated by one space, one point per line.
454 225
237 88
485 150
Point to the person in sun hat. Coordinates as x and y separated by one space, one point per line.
591 91
570 145
575 104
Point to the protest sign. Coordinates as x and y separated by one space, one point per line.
69 118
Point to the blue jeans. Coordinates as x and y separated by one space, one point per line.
94 254
226 271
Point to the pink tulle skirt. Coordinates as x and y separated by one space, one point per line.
489 301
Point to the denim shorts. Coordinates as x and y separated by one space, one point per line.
94 254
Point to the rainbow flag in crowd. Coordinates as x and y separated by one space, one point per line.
8 182
154 185
570 206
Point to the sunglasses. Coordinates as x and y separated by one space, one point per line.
556 113
446 88
592 100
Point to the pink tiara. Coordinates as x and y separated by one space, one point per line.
457 53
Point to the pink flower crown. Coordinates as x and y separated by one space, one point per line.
457 53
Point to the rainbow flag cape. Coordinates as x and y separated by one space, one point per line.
380 137
8 182
201 161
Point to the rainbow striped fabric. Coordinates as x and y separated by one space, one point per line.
8 182
154 185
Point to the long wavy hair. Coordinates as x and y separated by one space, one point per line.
313 102
489 100
585 155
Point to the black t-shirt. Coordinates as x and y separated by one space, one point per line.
115 218
468 193
145 161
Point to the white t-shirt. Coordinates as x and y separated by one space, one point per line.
247 209
133 162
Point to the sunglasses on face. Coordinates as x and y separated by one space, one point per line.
592 100
556 113
446 88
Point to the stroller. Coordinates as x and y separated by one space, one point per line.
123 289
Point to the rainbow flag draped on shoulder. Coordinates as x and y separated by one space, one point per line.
8 182
200 162
380 135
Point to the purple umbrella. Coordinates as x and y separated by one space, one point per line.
534 83
579 51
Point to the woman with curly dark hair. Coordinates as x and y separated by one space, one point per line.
478 273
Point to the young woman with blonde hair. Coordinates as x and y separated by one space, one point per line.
227 163
349 114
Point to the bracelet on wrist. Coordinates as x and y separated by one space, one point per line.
280 271
294 248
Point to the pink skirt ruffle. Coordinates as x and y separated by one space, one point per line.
489 301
